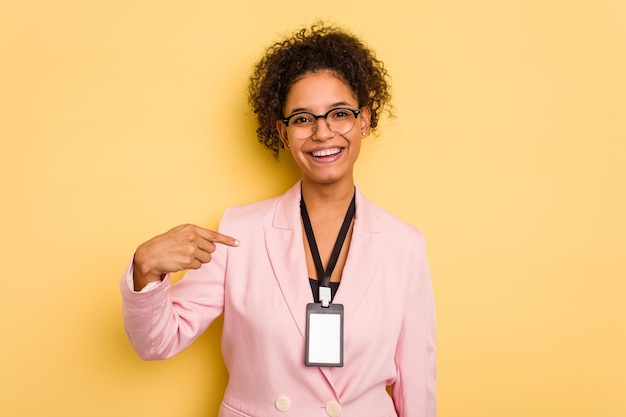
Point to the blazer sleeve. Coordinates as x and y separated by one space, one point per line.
165 320
413 392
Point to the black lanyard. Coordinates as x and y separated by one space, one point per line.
323 276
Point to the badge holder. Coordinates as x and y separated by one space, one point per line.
324 332
324 321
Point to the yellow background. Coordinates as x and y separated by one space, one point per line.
121 119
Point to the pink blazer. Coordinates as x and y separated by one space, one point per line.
262 289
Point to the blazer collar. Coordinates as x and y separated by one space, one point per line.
285 247
287 213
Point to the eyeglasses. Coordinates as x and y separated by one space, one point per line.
302 125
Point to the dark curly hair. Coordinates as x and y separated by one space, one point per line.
321 47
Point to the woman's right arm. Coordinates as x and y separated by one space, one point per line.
161 322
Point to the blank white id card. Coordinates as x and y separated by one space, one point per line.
324 335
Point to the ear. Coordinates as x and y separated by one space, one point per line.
364 119
282 133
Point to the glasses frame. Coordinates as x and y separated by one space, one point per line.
324 116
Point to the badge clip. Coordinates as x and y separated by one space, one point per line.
325 296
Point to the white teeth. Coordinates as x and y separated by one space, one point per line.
326 152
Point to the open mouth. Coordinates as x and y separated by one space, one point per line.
326 152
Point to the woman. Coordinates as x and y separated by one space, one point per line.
317 94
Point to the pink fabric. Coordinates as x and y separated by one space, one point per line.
262 289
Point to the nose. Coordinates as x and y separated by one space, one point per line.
321 131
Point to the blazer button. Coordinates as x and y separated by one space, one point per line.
333 409
283 404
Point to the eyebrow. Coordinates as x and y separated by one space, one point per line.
332 106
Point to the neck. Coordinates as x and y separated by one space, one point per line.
327 197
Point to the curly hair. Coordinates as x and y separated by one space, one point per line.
319 48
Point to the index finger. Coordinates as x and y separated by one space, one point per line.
217 237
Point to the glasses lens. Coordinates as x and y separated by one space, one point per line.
340 121
302 125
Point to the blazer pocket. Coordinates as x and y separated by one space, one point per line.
228 411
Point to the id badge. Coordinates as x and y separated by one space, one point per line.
324 335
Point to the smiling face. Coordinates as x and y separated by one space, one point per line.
325 157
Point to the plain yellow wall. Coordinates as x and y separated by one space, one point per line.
121 119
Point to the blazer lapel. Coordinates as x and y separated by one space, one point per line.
283 239
365 252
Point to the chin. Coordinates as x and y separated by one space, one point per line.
328 179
